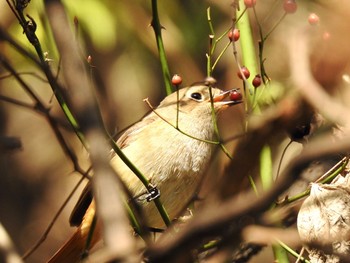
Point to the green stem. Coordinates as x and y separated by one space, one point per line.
261 50
211 28
280 254
250 61
162 57
57 89
210 68
220 55
328 177
133 219
163 213
252 183
292 252
266 167
211 45
248 50
274 27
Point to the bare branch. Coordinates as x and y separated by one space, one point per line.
106 187
305 83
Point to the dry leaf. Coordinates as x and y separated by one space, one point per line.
324 221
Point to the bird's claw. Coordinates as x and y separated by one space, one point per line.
153 193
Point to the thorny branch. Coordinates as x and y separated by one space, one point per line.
109 204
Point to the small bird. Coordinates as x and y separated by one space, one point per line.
171 147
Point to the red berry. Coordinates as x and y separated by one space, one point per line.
230 35
245 72
326 35
234 34
256 81
176 80
249 3
89 59
235 95
313 19
290 6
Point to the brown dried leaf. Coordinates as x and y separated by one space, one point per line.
324 220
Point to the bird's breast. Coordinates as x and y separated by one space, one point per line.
174 164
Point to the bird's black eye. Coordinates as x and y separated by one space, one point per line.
196 96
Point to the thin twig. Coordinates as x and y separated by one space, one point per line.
54 219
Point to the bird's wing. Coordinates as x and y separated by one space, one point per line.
78 212
129 135
86 196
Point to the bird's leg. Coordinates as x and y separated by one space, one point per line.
153 193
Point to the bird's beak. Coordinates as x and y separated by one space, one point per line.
219 99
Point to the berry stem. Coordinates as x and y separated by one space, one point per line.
161 209
211 44
248 50
220 55
250 61
275 26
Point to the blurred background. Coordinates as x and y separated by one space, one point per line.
37 176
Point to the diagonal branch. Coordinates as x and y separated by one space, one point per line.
81 98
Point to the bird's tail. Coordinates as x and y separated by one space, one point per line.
73 250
